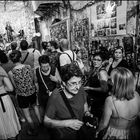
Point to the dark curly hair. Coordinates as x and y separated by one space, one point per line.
43 59
3 57
69 71
15 56
24 45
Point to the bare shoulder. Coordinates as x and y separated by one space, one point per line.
108 101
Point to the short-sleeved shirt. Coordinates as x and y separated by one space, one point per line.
64 58
56 108
30 58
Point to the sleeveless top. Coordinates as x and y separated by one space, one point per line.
23 81
122 128
51 85
122 122
94 82
123 63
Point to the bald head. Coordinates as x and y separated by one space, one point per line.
64 44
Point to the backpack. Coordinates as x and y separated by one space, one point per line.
72 61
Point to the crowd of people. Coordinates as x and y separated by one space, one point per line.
59 88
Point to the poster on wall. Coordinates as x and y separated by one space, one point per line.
80 33
59 30
109 18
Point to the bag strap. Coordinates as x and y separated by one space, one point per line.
67 103
43 81
25 58
33 50
69 56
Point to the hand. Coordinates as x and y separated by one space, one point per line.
74 124
110 61
87 113
87 88
53 78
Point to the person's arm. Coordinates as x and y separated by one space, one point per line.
62 60
106 114
11 78
58 75
56 78
103 82
35 81
71 123
8 85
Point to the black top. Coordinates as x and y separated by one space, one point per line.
122 63
51 85
98 96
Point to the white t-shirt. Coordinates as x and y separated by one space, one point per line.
37 54
64 58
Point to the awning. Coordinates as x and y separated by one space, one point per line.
45 7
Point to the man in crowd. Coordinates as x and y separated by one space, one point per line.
68 55
57 116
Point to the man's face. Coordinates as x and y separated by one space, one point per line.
74 84
45 67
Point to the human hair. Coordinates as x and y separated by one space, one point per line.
24 45
64 43
100 55
69 71
44 45
43 59
3 57
118 48
123 83
54 44
15 56
13 45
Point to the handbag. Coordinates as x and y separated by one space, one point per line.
86 131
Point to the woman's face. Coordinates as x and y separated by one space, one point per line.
73 85
45 67
118 54
97 61
79 55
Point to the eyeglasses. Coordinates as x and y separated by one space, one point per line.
74 84
97 60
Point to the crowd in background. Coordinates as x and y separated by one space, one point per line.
30 78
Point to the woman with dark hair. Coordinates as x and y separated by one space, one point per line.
122 108
23 80
117 61
96 85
